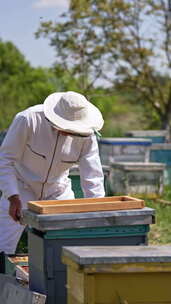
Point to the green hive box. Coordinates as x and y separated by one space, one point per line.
76 184
162 153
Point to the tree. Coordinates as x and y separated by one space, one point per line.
121 42
80 40
21 85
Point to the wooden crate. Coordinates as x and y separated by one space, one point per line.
86 205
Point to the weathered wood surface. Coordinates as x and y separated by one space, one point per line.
86 205
118 274
141 179
115 149
45 222
137 166
84 255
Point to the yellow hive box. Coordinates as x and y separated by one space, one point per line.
118 274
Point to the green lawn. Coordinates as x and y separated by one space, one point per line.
160 232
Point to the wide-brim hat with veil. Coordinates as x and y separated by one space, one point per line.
72 112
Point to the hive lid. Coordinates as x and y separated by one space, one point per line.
47 222
125 141
147 133
86 255
143 166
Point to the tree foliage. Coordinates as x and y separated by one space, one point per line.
124 43
20 84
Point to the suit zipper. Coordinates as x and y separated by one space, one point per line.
49 167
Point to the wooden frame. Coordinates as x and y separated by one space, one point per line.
86 205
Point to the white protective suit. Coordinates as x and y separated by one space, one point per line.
34 162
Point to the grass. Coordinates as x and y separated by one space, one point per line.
160 232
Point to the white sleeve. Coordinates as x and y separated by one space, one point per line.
91 173
11 151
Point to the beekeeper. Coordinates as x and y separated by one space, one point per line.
41 145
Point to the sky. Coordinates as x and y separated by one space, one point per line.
20 19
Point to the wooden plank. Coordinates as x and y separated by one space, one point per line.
87 200
67 207
75 202
58 203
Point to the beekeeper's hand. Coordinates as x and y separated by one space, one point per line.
15 207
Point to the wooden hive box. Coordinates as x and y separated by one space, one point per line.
137 179
118 274
111 203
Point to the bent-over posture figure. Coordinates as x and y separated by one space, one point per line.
41 145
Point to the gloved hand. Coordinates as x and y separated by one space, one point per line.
15 207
